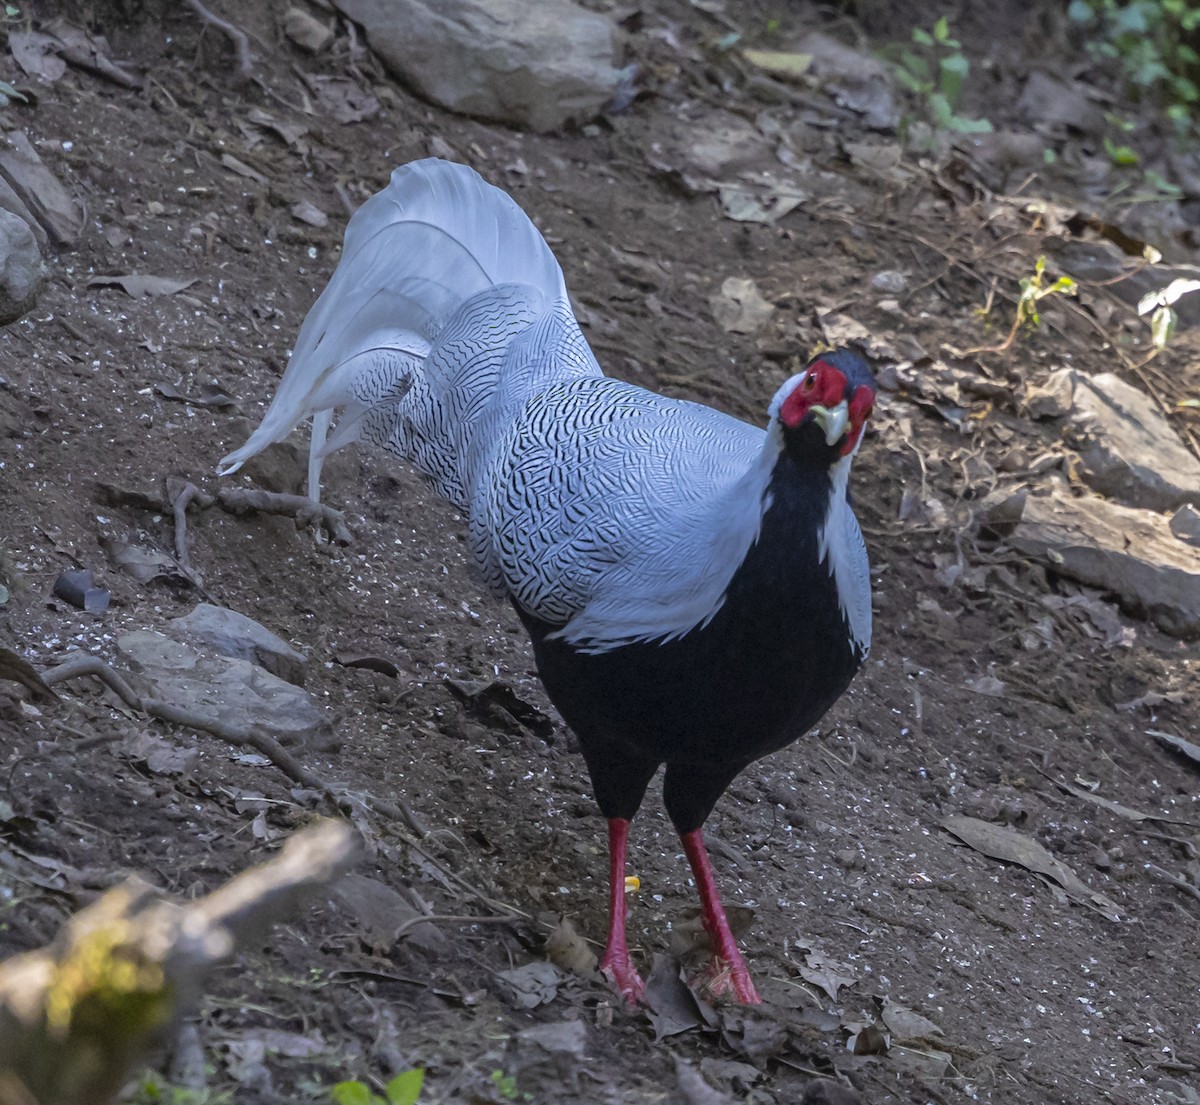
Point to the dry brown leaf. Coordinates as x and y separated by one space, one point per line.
1002 843
137 285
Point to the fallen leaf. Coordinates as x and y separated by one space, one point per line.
344 99
310 213
928 1063
867 1040
532 985
91 51
905 1024
830 975
565 948
695 1088
160 756
672 1006
767 203
144 564
557 1038
1127 812
137 285
730 1074
1186 747
234 165
37 54
367 662
498 701
379 911
1009 845
1151 699
210 396
739 306
780 63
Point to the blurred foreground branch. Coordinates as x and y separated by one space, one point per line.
78 1014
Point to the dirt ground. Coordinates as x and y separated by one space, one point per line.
991 681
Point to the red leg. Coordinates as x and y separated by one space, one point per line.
731 971
616 962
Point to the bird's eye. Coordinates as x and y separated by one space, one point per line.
810 382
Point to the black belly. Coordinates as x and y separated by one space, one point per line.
765 669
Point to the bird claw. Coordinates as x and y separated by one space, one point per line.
723 976
620 971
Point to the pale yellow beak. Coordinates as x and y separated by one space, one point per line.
833 420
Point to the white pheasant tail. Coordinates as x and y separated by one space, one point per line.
611 512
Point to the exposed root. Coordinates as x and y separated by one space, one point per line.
303 509
241 44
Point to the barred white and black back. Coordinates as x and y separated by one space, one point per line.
446 336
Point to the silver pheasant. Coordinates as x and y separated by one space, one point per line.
653 547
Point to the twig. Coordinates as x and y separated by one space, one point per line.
182 492
241 44
453 919
76 666
300 507
1177 881
79 1014
249 737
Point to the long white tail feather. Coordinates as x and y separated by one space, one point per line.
414 252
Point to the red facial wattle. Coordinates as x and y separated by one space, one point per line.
862 403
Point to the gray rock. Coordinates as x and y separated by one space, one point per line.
538 66
856 79
1130 553
1052 399
1185 524
22 274
225 691
36 186
1046 101
233 634
1129 450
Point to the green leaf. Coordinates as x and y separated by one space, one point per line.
941 29
961 124
1160 184
953 71
353 1093
405 1088
916 65
1162 327
922 38
1121 155
911 83
940 109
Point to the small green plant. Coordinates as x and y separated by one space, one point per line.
506 1087
152 1090
1033 290
1149 43
1160 306
934 69
1120 153
404 1089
